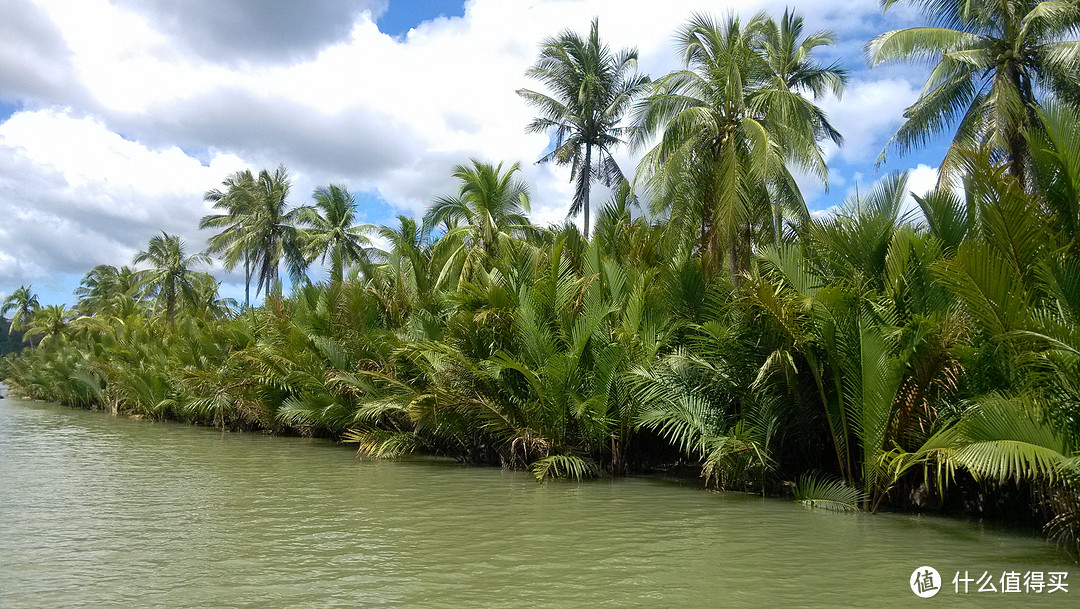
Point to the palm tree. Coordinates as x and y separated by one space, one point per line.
272 235
99 288
24 303
170 276
334 231
992 60
1056 160
258 226
237 201
730 124
490 205
48 322
408 252
591 91
793 69
207 301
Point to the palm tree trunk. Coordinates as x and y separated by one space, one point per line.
583 187
337 266
776 221
1017 142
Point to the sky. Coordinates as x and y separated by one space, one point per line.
117 115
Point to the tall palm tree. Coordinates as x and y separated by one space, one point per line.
794 69
23 303
490 204
333 230
237 201
992 60
170 276
591 90
273 236
729 128
259 228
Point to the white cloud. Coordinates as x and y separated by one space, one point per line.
868 114
335 104
921 180
74 194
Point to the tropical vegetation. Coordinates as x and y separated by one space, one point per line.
876 357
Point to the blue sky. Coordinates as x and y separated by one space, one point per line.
116 115
400 17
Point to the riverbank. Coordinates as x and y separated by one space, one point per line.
112 510
901 350
1017 517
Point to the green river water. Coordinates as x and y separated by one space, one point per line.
105 511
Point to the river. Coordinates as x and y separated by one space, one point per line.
105 511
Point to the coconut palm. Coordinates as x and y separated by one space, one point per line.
237 200
794 69
274 235
333 230
992 60
22 303
1056 160
170 276
260 228
206 300
728 131
100 288
48 322
591 89
408 253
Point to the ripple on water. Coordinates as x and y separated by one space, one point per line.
97 511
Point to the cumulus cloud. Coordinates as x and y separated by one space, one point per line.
74 194
199 89
357 142
921 180
254 31
869 113
35 62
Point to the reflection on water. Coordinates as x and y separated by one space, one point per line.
97 510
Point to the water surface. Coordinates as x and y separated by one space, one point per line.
105 511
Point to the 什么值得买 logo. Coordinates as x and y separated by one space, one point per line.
925 582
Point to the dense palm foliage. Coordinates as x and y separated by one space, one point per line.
591 90
869 359
993 60
170 277
731 127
